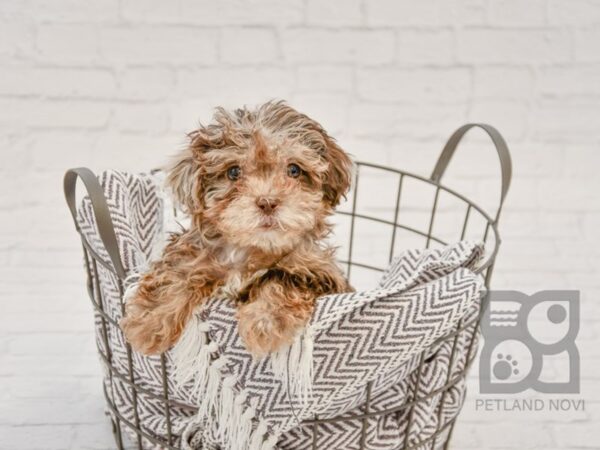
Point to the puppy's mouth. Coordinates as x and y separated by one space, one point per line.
268 223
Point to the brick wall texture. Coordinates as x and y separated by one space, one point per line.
117 83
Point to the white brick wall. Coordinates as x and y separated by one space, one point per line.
117 83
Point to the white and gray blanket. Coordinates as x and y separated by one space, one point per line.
221 398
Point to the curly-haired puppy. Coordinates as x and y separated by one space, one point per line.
259 186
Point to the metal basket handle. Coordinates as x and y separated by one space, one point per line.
101 212
501 148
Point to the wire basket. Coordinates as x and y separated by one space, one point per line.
384 222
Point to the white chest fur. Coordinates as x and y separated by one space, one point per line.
236 280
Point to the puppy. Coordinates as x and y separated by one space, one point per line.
259 186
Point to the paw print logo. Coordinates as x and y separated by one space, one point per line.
505 367
523 332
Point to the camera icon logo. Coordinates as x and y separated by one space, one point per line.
529 343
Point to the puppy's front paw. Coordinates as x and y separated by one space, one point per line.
261 330
145 332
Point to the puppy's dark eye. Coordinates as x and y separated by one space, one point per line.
234 172
294 171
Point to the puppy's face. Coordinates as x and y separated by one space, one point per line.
263 179
265 193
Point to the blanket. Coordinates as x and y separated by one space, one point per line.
220 397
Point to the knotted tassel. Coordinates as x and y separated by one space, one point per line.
294 365
243 418
306 370
211 396
190 354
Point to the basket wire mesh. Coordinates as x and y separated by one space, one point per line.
468 211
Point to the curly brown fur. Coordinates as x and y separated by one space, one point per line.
257 237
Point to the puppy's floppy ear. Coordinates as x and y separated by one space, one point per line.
338 176
184 180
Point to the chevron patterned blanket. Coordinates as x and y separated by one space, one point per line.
220 397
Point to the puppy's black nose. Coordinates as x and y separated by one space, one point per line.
267 205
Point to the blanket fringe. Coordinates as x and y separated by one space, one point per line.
191 356
242 421
295 366
227 425
209 402
220 402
